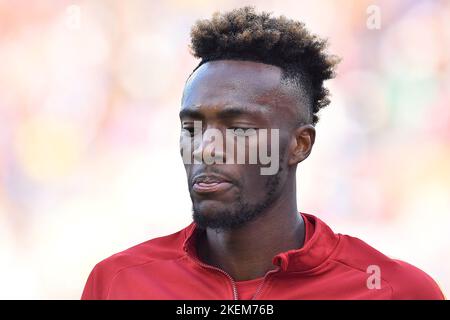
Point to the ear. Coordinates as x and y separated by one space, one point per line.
301 143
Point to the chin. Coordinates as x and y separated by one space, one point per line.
214 215
211 208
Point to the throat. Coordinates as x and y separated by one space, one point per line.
246 253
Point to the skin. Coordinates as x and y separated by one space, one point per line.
246 251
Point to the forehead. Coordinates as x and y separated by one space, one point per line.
222 83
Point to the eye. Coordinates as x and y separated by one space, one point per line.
188 131
243 132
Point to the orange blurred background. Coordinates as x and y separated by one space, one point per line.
89 161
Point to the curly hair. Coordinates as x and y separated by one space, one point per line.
243 34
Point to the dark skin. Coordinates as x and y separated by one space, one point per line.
265 101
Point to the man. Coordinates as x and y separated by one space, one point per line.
258 76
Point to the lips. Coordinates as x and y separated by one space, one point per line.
210 184
209 178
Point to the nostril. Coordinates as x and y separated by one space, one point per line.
198 155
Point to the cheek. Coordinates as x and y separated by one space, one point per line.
187 168
186 148
252 182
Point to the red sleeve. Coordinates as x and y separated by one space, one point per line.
411 283
98 283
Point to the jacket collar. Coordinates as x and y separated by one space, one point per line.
320 242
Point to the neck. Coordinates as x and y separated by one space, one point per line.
246 252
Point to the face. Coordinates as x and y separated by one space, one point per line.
227 97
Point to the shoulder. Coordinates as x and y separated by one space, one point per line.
410 282
405 280
160 249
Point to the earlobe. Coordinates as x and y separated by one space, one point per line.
301 144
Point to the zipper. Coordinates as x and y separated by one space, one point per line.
233 283
258 290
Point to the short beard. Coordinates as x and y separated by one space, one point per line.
240 212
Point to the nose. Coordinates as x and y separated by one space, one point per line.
209 147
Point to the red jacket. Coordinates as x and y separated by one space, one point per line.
328 266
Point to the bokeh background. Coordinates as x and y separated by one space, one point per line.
89 129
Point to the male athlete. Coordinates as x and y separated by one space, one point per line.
260 82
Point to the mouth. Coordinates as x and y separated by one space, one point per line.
211 187
204 184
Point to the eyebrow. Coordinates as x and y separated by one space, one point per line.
190 113
226 112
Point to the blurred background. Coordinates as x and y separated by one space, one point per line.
89 161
